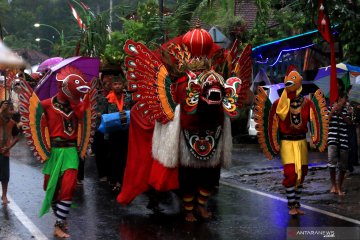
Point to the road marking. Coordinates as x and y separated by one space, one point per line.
36 233
285 200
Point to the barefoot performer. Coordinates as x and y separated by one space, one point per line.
338 140
59 130
182 118
8 138
282 128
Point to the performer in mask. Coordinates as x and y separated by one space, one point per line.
59 130
282 130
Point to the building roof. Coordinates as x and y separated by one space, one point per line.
247 10
33 57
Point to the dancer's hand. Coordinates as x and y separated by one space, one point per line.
4 149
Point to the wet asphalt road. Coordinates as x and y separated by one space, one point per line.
238 213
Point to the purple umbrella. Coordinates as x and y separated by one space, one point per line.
48 63
47 87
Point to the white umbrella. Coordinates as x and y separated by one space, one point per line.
31 69
9 59
322 78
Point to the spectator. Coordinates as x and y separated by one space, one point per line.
338 141
353 144
119 100
100 144
8 133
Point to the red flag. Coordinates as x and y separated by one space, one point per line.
87 9
324 29
84 6
323 23
77 17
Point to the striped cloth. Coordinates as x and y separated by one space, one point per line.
338 134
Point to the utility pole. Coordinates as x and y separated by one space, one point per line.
1 32
161 9
110 14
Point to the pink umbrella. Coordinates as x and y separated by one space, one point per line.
47 86
49 63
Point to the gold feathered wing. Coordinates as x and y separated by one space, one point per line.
267 124
34 123
87 124
242 68
150 80
319 120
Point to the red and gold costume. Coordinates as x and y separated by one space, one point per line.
282 128
58 130
186 92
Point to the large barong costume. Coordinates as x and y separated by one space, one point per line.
58 130
186 92
282 128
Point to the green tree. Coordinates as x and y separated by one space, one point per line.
275 21
295 17
148 27
217 13
346 15
180 21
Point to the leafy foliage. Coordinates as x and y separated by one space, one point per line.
147 26
180 21
217 13
275 20
346 14
144 27
295 17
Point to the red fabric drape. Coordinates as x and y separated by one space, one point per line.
142 171
162 178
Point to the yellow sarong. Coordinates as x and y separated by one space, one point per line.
294 152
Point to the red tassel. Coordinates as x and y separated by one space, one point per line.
323 22
324 29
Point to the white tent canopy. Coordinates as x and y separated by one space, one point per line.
261 77
219 38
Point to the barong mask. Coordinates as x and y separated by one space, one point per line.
211 88
204 83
